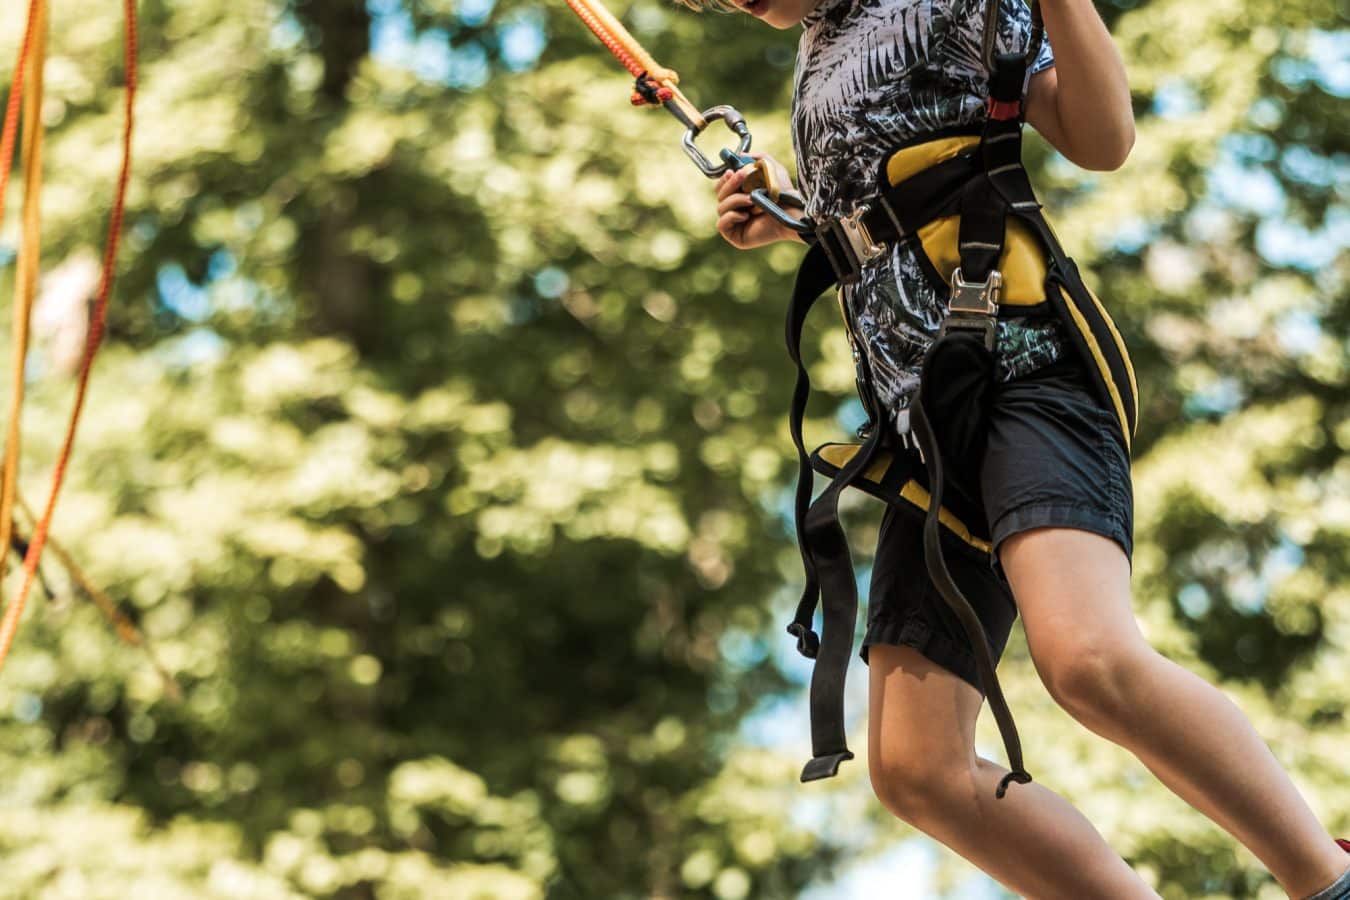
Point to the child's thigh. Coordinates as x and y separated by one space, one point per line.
921 717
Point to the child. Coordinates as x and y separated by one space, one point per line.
1052 474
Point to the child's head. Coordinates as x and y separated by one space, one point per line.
778 13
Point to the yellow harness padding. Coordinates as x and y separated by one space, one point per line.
914 493
1024 264
1023 260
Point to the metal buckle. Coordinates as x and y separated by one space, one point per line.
849 245
974 306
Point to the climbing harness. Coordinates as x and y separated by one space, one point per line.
26 89
962 196
657 85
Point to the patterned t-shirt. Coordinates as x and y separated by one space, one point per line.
871 74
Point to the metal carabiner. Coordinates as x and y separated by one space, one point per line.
767 194
802 226
735 121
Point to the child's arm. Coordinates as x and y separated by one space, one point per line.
1086 114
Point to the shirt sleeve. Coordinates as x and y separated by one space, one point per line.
1014 30
1046 57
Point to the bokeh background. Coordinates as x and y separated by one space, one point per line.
438 448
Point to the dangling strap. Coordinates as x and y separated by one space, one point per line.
936 563
814 277
839 615
824 547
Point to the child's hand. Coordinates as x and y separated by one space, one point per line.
739 221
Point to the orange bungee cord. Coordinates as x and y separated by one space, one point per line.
657 85
27 88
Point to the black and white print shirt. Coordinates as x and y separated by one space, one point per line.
871 74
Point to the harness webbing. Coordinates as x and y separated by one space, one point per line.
829 570
988 189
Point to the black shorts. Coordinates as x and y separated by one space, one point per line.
1054 457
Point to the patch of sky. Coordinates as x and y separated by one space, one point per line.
551 282
286 33
34 366
1266 113
179 295
1240 180
851 415
742 650
1194 600
432 55
1247 146
199 347
1132 235
27 708
1290 244
1248 592
7 254
1302 164
522 39
462 67
780 504
1294 71
474 12
145 230
1176 99
1326 65
1284 560
1299 332
1218 398
1244 187
1330 50
221 264
905 872
1207 221
429 55
775 722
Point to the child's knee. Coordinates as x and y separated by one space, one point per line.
915 788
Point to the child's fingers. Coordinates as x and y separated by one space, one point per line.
730 181
729 220
734 202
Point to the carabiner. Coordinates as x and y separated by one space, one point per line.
802 226
735 121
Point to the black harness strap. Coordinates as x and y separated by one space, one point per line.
813 278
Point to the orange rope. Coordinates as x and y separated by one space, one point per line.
634 57
623 45
10 624
12 107
26 270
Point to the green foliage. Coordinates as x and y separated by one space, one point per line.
451 486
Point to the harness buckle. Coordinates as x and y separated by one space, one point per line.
848 244
974 306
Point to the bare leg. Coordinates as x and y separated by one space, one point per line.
1072 590
921 754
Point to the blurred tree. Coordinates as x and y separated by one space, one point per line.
440 448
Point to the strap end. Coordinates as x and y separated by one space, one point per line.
826 766
808 642
1021 776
